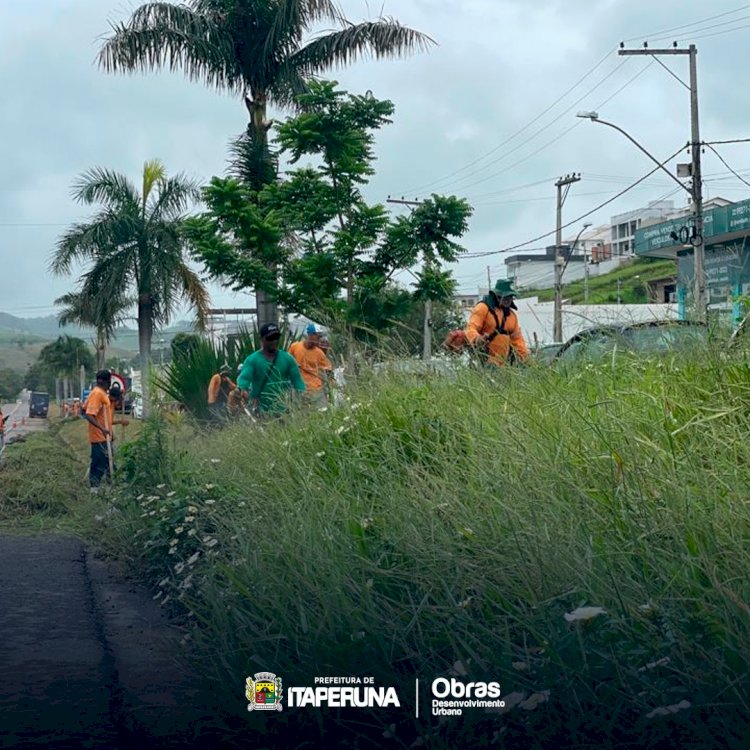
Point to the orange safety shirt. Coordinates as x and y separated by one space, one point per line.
312 363
98 407
482 322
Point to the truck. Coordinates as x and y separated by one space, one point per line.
38 404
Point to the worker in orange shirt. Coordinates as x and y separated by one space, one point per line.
98 414
219 388
493 328
315 367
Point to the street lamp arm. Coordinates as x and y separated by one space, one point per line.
638 145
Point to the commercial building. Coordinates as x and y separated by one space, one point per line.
727 255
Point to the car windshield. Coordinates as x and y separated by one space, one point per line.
665 338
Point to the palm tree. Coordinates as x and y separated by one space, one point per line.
135 242
260 49
104 314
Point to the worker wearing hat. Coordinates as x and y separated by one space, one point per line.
219 388
269 374
314 365
493 327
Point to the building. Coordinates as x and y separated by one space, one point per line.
624 226
727 254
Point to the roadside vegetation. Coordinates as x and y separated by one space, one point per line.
579 536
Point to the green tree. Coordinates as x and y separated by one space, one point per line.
136 242
262 50
11 382
89 307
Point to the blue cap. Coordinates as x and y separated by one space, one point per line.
313 329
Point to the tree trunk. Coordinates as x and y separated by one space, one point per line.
265 302
101 349
145 329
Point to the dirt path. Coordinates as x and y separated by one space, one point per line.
87 660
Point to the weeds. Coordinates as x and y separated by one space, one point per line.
580 537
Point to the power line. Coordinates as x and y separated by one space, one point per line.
557 137
706 28
534 135
654 34
517 133
583 216
721 159
719 33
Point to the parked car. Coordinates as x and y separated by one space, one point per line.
38 404
652 337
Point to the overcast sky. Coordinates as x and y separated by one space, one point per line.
470 104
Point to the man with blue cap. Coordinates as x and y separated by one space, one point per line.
493 327
314 365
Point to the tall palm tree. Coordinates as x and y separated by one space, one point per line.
261 49
135 243
87 308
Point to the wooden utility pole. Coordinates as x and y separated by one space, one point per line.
563 182
697 239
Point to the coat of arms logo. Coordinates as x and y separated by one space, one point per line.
264 692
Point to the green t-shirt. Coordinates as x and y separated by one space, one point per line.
285 376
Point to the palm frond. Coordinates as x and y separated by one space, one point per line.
176 37
99 185
175 195
252 161
385 38
153 171
192 288
291 20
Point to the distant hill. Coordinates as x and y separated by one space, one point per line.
46 328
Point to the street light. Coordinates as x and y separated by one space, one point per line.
695 194
571 250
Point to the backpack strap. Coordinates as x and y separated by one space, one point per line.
499 326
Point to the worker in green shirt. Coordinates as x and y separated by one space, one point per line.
269 374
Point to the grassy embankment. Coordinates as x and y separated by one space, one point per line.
447 528
603 290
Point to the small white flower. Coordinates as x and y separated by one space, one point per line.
534 700
241 505
174 542
654 664
192 509
215 460
285 444
171 494
583 614
140 497
320 455
179 530
210 486
341 430
666 710
212 542
188 519
193 558
355 406
323 408
191 532
210 502
160 486
179 567
163 582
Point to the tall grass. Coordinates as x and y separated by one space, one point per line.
440 526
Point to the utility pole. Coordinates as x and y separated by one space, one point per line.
489 281
696 171
563 182
427 325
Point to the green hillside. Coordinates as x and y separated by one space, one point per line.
603 290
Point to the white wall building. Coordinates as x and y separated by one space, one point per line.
624 226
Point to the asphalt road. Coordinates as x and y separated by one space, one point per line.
87 659
18 422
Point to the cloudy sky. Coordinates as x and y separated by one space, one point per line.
487 114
